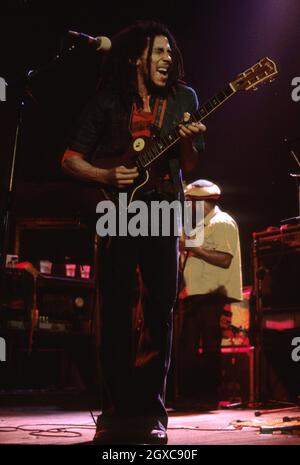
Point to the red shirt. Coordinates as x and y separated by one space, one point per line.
140 123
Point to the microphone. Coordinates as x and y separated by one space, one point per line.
101 43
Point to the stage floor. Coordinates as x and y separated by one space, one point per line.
55 426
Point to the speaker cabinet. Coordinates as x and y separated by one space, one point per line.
276 260
237 374
281 374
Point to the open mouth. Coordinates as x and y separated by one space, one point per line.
163 72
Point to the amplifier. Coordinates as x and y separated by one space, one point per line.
237 374
276 239
276 260
17 298
64 300
62 304
65 303
280 373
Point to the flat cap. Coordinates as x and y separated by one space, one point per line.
203 189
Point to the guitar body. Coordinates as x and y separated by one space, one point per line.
147 179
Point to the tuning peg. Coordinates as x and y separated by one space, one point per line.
254 88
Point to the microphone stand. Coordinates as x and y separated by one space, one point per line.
9 195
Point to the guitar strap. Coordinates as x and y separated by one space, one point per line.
158 115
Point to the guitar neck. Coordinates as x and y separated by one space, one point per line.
158 148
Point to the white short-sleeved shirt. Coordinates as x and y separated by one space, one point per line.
220 234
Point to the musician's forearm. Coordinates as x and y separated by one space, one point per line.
214 257
80 168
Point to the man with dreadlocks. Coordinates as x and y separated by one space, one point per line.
141 93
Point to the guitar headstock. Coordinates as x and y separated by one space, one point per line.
264 70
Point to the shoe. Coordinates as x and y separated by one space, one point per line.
107 436
155 436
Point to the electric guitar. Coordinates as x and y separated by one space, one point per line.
144 152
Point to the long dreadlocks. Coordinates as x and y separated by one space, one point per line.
119 73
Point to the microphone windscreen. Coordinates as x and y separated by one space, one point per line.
104 43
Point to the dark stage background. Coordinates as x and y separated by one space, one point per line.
245 152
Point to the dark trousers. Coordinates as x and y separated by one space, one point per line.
134 387
200 374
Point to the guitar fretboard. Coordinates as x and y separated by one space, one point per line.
158 148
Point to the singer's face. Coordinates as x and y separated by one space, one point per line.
160 62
